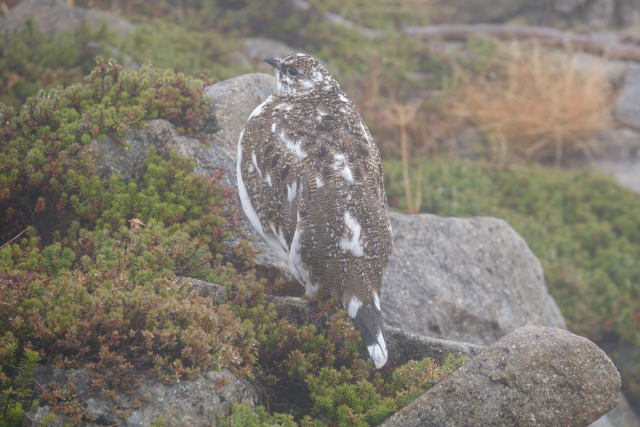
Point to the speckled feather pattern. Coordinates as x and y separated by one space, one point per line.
313 177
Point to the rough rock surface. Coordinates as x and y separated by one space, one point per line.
127 157
468 280
405 346
627 109
232 101
54 16
621 160
533 376
203 401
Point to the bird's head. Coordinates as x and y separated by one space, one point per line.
300 73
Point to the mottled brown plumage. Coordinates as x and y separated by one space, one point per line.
311 183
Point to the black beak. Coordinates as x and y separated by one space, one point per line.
274 62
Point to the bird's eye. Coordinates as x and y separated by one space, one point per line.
293 71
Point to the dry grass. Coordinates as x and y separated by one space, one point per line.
408 128
537 105
401 115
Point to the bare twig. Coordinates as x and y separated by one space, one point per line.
547 36
13 238
402 115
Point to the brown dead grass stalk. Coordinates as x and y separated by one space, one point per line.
402 115
537 104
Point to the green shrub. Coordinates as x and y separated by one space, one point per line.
44 176
32 60
341 397
338 399
16 380
344 397
243 415
417 376
316 371
582 226
120 306
90 279
180 48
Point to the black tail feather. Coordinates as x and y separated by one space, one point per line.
368 320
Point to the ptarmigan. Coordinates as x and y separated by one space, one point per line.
311 183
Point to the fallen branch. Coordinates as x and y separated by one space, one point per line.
460 32
546 36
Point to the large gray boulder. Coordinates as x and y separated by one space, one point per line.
55 16
126 157
470 280
203 401
627 109
405 346
200 402
232 101
621 158
533 376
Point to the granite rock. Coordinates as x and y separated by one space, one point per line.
470 280
533 376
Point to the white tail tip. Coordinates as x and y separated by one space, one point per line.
378 351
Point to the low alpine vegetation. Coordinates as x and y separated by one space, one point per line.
92 269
